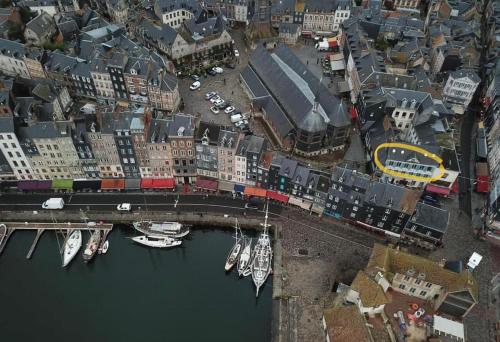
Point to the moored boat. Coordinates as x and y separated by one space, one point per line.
234 253
245 258
262 260
159 229
155 242
71 246
92 245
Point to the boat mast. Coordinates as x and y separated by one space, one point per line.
265 218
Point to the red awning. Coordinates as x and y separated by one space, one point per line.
277 196
147 183
165 183
252 191
354 113
482 184
113 184
437 190
207 184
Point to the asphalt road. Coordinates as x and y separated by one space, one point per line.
144 202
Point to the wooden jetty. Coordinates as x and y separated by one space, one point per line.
7 228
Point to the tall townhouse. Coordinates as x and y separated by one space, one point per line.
83 81
59 67
175 12
116 66
227 145
181 136
342 13
55 155
248 156
84 148
139 131
11 59
102 81
136 77
206 140
103 145
159 151
319 16
12 150
163 91
118 11
121 125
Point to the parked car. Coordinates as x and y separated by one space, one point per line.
214 109
210 94
241 123
219 102
195 85
53 203
215 98
229 110
231 65
195 77
236 53
211 72
124 207
218 70
236 118
223 105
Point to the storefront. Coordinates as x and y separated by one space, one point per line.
113 184
226 186
157 184
86 184
239 188
299 202
62 184
206 184
252 191
273 195
132 183
33 185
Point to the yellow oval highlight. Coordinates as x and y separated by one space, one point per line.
406 175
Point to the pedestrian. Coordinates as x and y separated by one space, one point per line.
307 62
224 81
232 92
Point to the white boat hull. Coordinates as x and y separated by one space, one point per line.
161 229
71 247
245 259
160 243
232 258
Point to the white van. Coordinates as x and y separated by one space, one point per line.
237 117
53 203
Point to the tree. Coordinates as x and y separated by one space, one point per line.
15 32
26 14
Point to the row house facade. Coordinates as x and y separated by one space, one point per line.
54 155
181 136
227 146
159 151
207 158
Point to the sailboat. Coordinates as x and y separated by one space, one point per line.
234 253
263 256
71 247
244 268
92 245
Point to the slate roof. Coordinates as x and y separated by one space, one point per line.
295 87
289 28
164 33
173 5
41 24
301 175
211 129
6 124
181 122
465 73
227 138
391 261
288 167
431 217
12 49
59 62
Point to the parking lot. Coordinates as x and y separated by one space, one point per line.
226 85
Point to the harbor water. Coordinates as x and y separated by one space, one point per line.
132 293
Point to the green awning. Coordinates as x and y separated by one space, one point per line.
66 184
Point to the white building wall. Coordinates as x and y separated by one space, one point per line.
18 162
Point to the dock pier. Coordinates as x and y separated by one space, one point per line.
35 242
7 228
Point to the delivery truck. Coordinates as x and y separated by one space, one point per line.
53 203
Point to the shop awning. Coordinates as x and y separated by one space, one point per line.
132 183
112 184
226 186
147 183
304 204
34 185
206 184
252 191
82 184
164 183
277 196
316 208
239 188
437 190
62 184
354 113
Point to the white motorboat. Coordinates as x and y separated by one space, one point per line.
245 258
263 256
234 253
92 245
157 243
161 229
71 247
105 247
